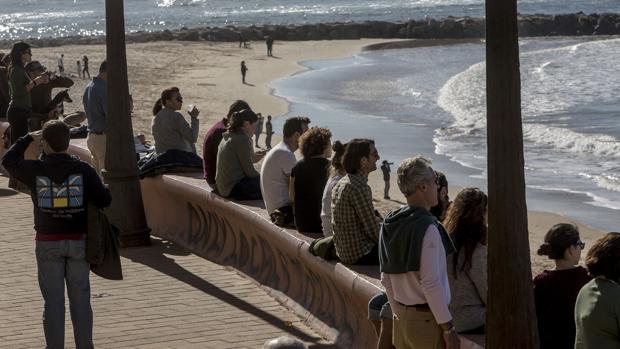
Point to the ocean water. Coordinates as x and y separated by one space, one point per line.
431 101
21 19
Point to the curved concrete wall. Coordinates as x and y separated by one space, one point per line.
333 298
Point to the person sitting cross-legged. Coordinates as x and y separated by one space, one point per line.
355 223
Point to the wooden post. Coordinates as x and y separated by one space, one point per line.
511 318
121 170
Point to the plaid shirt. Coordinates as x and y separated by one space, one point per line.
356 227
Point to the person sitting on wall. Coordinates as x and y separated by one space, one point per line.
276 171
338 172
308 178
236 176
355 223
212 141
170 129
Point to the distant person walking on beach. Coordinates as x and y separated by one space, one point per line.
61 187
259 129
385 168
413 247
85 69
269 43
268 132
79 68
244 70
61 64
95 101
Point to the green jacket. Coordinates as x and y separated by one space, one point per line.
400 240
20 96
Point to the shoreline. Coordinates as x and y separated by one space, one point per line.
207 74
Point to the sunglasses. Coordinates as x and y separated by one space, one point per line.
580 244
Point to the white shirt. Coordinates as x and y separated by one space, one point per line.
274 176
429 284
326 207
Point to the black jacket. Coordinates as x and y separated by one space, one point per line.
61 186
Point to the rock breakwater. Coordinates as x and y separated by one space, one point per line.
574 24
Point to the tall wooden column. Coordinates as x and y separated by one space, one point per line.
511 318
121 170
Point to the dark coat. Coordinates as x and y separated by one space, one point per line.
102 246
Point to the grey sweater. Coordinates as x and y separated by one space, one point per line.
171 131
234 161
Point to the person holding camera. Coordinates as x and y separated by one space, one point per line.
41 95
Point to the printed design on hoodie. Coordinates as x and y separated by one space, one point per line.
68 194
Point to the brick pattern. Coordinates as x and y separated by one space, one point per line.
170 298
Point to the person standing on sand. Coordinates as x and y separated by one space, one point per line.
61 64
268 132
244 70
385 168
79 68
85 69
259 129
269 43
413 247
61 187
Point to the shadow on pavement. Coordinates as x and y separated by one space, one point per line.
154 257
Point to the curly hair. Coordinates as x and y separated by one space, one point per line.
314 141
560 237
465 222
603 259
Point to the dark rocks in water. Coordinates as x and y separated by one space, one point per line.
429 28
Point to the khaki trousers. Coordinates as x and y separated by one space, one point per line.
96 145
416 329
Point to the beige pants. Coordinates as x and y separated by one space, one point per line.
96 145
416 329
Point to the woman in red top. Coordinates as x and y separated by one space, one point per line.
555 291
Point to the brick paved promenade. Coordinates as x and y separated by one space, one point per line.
169 298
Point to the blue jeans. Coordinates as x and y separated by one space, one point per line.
57 262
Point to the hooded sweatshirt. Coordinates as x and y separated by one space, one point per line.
234 161
401 237
60 186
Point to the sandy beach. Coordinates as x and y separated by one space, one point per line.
208 75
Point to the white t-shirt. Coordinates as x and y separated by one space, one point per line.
274 176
